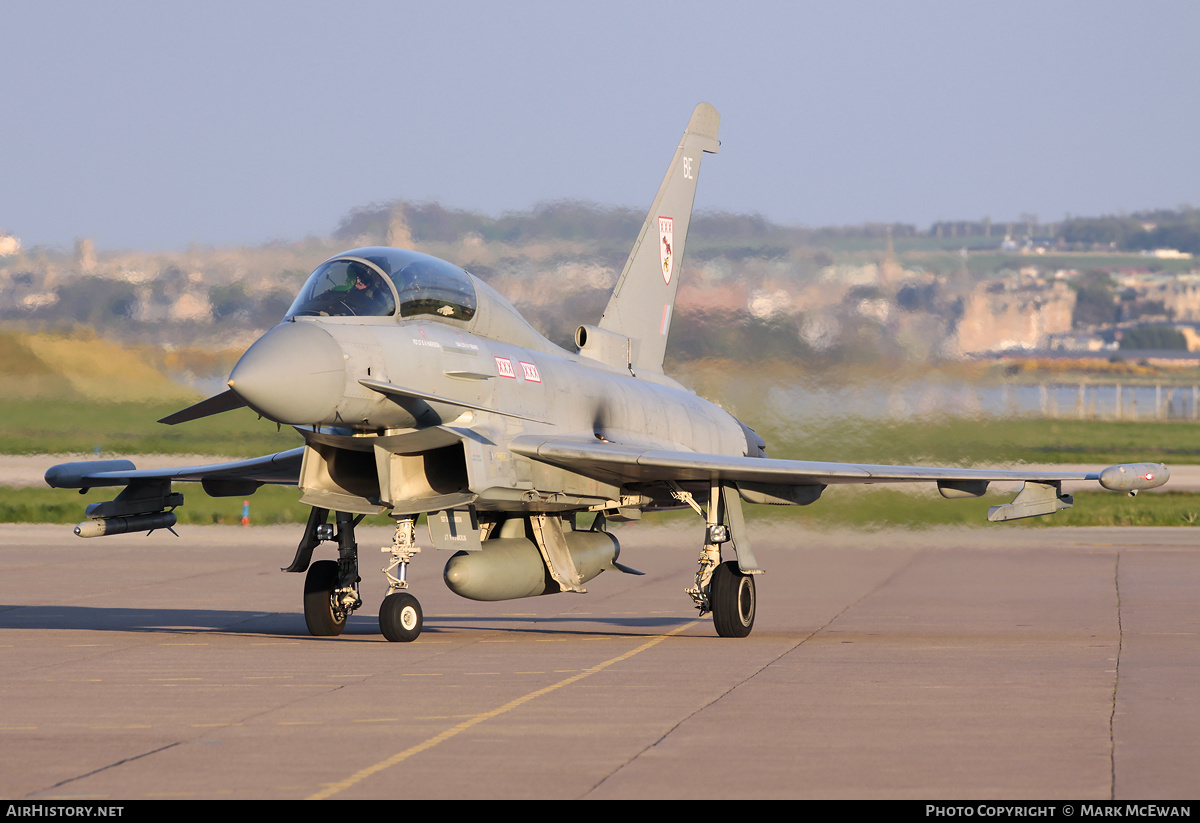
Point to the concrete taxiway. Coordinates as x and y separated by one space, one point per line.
998 662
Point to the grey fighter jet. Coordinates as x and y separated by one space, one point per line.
420 390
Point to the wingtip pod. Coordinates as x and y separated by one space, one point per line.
1133 477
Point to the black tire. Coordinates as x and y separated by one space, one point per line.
319 583
400 617
732 599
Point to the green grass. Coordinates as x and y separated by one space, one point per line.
269 505
875 509
890 508
987 263
70 427
129 429
962 441
867 508
117 429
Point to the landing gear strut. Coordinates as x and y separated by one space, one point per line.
722 588
331 586
400 617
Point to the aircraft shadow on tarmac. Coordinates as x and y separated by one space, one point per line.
287 624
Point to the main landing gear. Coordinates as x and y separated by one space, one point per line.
731 599
723 588
331 586
321 615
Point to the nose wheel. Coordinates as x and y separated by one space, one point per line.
400 617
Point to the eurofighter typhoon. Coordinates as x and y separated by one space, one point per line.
419 390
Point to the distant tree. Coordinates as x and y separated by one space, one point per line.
1095 300
426 222
734 335
571 220
228 300
269 310
1100 231
917 297
1178 236
97 301
1153 338
1185 214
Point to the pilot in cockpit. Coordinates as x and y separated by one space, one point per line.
363 287
362 295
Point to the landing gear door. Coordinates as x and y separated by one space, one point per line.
455 530
739 539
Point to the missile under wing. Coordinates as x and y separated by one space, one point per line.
419 390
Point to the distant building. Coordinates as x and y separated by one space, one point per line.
9 244
1192 338
1080 342
1014 314
85 254
1168 254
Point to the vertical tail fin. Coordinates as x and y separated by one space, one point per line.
641 304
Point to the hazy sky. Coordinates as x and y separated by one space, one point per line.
156 124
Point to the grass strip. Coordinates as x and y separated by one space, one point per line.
122 429
871 509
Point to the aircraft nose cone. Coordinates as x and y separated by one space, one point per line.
293 374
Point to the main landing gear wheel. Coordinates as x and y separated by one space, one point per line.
319 613
400 617
731 597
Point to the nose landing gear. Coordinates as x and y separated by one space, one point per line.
331 586
400 617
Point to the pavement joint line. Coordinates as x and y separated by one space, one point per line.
361 775
822 630
1116 670
121 762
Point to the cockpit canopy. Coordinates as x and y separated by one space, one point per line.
371 282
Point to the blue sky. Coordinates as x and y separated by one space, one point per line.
157 124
